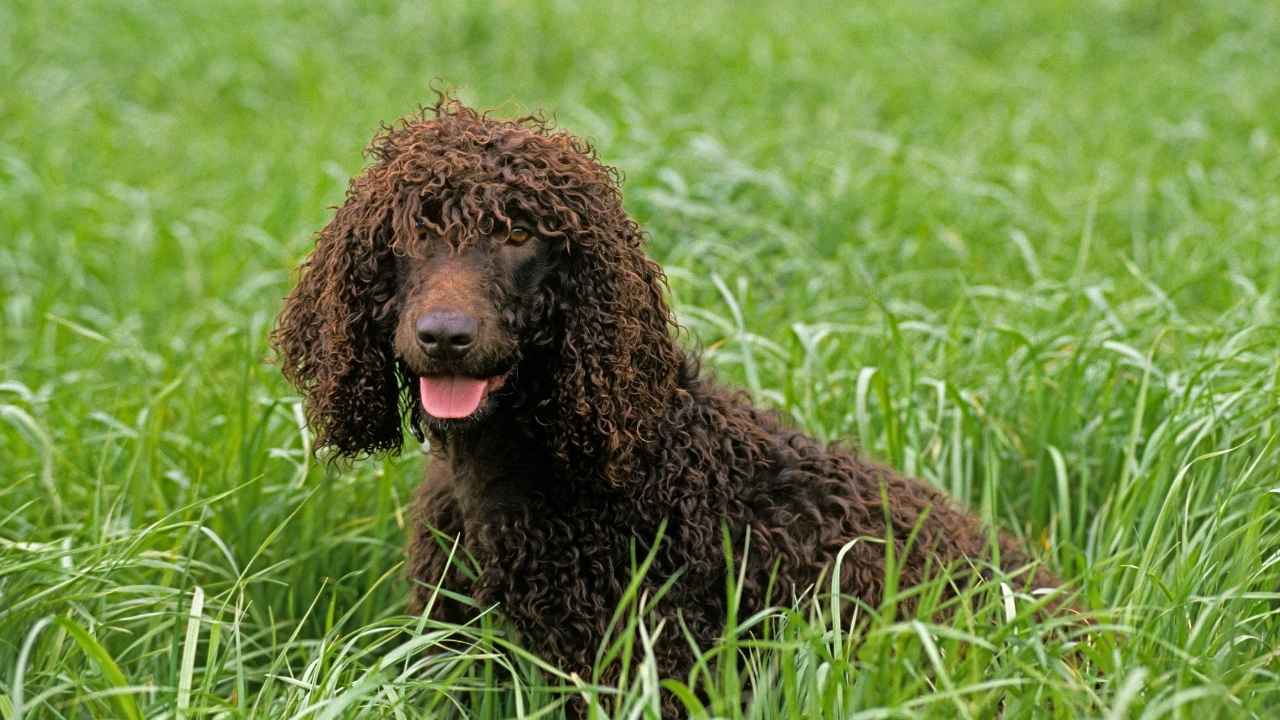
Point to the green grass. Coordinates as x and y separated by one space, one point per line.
1030 253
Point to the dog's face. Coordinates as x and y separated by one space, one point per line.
467 317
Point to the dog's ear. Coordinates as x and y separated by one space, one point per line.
333 336
619 358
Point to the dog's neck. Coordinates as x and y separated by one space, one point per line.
514 455
499 463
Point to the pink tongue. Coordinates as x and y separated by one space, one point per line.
451 396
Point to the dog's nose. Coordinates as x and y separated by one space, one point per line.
447 332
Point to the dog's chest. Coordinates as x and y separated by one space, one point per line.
565 563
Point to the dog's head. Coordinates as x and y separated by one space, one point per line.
480 266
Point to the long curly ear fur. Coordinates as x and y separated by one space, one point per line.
333 337
619 358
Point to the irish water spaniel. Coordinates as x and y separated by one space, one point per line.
483 281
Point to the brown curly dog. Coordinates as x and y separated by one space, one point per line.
483 281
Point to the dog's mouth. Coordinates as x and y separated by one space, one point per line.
456 397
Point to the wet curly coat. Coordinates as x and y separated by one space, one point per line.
595 427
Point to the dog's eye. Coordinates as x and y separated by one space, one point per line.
519 236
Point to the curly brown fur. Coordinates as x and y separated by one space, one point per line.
595 428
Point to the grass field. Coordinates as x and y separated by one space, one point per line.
1030 253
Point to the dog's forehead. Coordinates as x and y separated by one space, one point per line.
425 245
470 214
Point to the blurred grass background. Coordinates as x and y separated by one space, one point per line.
1029 252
